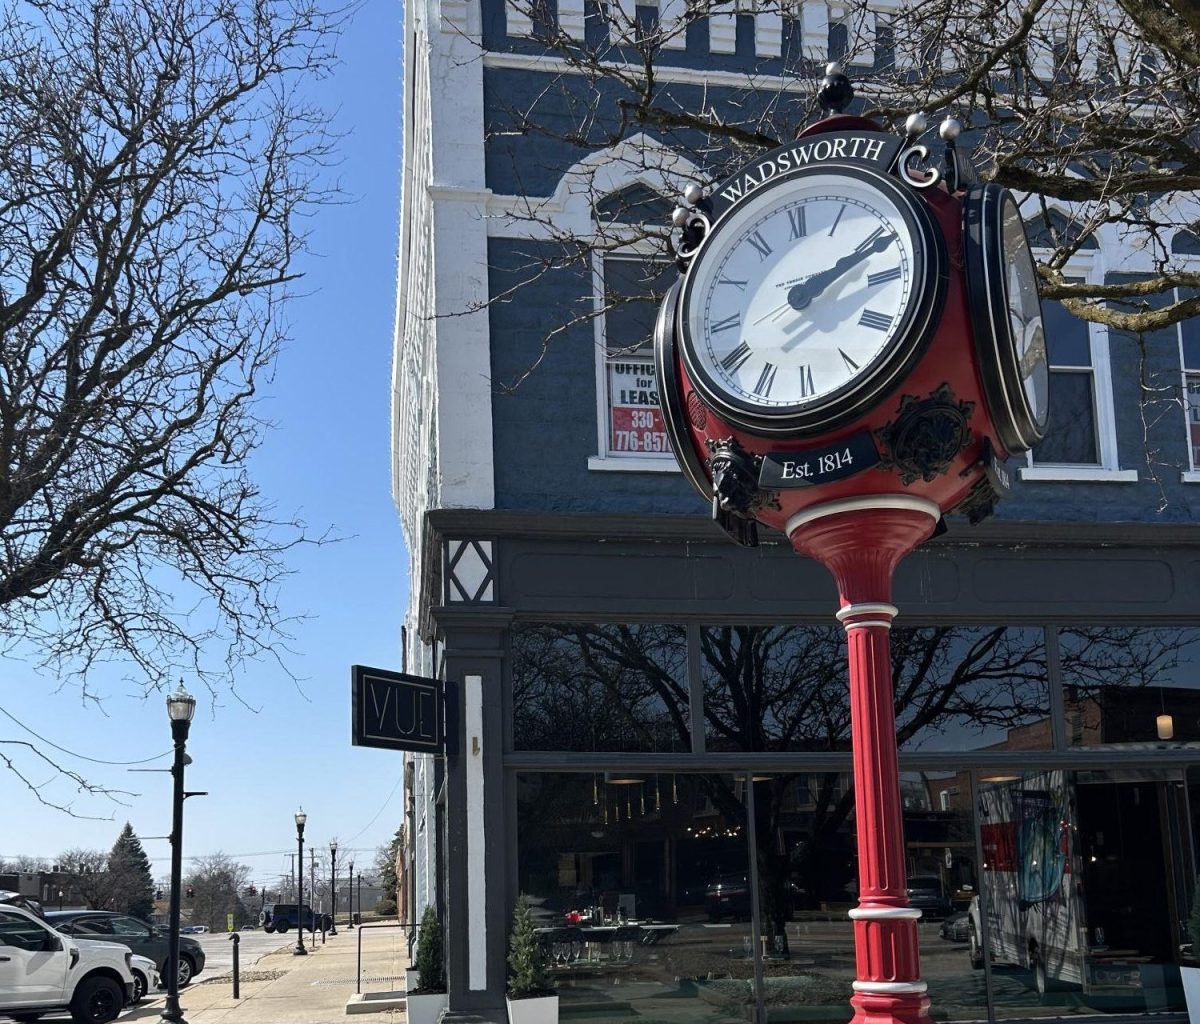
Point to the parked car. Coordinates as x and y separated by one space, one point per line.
957 927
925 892
16 899
279 917
143 938
43 971
194 929
144 970
729 896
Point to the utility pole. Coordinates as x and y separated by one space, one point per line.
292 863
312 880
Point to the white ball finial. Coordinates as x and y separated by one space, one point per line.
950 129
916 124
679 216
833 68
693 194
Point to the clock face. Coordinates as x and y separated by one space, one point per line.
801 295
1006 317
1025 315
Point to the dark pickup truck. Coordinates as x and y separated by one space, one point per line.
279 917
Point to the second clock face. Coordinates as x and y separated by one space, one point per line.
802 292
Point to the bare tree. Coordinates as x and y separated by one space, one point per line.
218 885
156 160
24 862
87 876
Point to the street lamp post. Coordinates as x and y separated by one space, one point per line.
333 848
350 895
301 818
60 899
181 706
360 897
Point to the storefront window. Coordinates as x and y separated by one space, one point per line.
1130 686
971 688
785 688
600 688
775 688
641 893
1081 885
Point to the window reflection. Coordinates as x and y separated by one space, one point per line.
1131 686
956 688
600 688
1084 907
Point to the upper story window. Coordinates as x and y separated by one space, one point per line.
1081 438
631 429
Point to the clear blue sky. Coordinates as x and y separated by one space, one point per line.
329 462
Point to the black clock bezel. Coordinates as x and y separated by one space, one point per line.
671 396
858 396
986 264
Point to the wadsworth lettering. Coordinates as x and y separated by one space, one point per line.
845 147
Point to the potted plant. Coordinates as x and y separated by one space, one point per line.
531 997
426 1002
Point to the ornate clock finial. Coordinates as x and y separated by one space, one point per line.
836 92
916 124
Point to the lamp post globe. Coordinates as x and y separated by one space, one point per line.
181 707
301 818
333 849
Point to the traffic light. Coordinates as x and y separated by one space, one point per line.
190 892
253 891
158 894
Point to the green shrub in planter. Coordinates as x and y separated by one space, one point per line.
526 957
431 966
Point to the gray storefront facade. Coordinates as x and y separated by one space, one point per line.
646 689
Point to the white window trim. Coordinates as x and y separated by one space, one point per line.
1089 265
1191 475
602 461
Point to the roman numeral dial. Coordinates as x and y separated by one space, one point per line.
801 294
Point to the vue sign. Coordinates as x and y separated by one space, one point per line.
396 711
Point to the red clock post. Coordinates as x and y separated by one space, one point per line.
853 347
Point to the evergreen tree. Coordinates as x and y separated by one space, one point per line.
129 875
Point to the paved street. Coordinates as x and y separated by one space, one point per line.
283 989
218 949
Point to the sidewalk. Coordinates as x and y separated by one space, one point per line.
285 989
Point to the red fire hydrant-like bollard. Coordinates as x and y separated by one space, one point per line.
853 346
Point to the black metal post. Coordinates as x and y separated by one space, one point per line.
236 939
350 896
300 950
172 1010
360 899
333 889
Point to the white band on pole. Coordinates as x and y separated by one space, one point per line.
881 501
891 988
885 914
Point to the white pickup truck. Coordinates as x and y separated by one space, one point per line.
43 971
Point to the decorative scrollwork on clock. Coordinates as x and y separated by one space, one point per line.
909 167
926 435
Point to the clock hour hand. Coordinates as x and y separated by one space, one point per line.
802 295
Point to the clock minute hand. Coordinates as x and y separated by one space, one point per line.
802 295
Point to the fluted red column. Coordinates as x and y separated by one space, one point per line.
861 541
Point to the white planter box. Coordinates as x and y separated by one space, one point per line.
426 1009
542 1010
410 979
